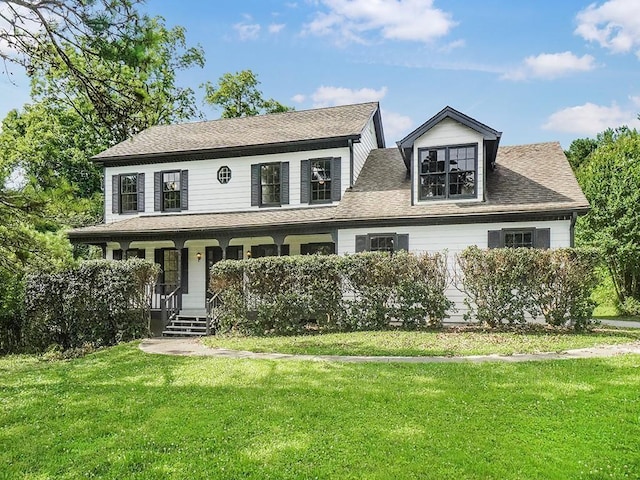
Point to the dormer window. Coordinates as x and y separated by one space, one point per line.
448 172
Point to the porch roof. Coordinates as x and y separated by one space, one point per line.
206 224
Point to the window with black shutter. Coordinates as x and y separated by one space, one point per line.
519 238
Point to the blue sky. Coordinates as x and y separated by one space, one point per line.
537 70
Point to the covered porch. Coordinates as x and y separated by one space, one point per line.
187 246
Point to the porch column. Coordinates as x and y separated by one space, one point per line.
278 239
124 246
179 245
334 239
224 243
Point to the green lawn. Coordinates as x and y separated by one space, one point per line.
120 413
449 342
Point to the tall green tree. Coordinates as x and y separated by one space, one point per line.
610 178
237 95
104 54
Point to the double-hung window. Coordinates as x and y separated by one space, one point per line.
320 180
127 193
270 184
382 242
171 190
448 172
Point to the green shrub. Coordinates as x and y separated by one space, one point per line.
504 285
291 295
11 310
99 303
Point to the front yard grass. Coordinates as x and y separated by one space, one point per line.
120 413
446 342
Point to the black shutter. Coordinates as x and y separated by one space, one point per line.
117 254
284 250
403 242
336 188
284 183
184 270
142 253
255 185
361 243
495 239
141 192
304 181
542 238
184 190
157 191
115 194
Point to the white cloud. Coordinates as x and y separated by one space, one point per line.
590 119
299 98
551 65
405 20
247 31
396 126
615 25
276 27
330 96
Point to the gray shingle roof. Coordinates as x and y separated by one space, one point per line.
277 128
528 179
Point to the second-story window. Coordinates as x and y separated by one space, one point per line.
129 193
448 172
270 184
171 190
321 180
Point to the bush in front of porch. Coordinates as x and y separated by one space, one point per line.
98 302
368 291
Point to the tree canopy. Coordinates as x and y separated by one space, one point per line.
610 178
237 94
113 65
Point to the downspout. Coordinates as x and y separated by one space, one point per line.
350 143
572 229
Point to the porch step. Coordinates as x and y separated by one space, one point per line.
186 326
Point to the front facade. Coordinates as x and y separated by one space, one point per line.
321 181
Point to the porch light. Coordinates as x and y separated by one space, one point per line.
199 256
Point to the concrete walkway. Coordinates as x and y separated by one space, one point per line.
193 347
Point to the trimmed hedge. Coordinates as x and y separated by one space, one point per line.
99 302
504 285
329 293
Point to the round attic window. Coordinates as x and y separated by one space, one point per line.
224 174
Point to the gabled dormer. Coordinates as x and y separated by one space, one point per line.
448 157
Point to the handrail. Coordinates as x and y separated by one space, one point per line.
173 302
212 318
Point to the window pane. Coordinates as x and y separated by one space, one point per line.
518 239
320 176
381 243
129 193
270 183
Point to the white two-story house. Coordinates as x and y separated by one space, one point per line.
321 180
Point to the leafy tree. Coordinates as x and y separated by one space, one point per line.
611 181
579 151
105 55
237 95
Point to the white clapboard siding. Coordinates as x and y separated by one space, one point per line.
368 142
453 239
446 133
206 194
